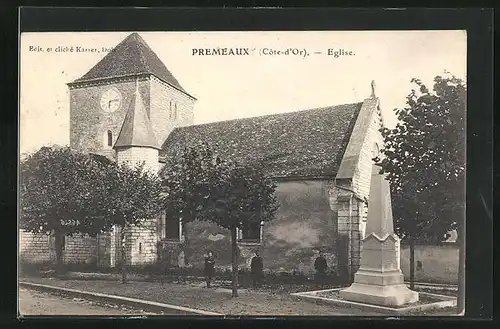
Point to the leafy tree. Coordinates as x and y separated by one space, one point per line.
130 196
67 192
200 185
424 159
56 194
188 181
245 195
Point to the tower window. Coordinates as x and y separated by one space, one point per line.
110 138
175 111
170 110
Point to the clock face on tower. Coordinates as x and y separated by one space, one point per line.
111 100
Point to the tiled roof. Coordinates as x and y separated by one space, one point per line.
303 143
132 56
137 129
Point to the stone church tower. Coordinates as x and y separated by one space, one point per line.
124 108
130 74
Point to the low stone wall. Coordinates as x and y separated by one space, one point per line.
36 248
80 249
434 264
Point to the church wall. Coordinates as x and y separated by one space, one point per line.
362 175
141 244
89 123
134 155
353 209
303 223
162 95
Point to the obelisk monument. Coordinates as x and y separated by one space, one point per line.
379 279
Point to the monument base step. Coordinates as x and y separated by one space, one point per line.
388 295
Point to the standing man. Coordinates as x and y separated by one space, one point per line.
209 267
257 269
320 266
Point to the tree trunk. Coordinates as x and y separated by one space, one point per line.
234 259
123 256
187 254
461 268
58 241
412 262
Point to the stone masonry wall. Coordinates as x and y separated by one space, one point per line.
141 244
89 123
304 223
36 247
134 155
436 264
164 99
363 171
80 249
40 247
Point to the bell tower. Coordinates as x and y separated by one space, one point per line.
101 98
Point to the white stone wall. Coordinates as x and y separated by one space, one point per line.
161 96
135 155
80 248
141 243
362 174
40 247
36 247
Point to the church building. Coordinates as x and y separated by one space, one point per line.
130 108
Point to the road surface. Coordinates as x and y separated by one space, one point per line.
33 302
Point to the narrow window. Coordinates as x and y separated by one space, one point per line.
170 110
375 151
110 138
63 242
140 247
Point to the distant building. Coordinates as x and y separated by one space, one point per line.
129 107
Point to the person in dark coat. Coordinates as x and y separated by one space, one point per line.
320 266
209 267
257 270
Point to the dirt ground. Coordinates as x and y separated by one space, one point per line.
42 304
217 300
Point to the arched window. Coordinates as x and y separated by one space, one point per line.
110 138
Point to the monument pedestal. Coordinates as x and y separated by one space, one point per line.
379 280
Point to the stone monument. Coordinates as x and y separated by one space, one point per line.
379 279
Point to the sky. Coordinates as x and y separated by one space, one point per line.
230 87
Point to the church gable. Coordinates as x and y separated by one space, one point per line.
307 143
131 57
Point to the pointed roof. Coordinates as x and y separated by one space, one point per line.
379 220
132 56
137 129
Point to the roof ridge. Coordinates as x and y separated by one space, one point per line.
271 115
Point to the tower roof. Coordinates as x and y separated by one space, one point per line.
132 56
137 129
